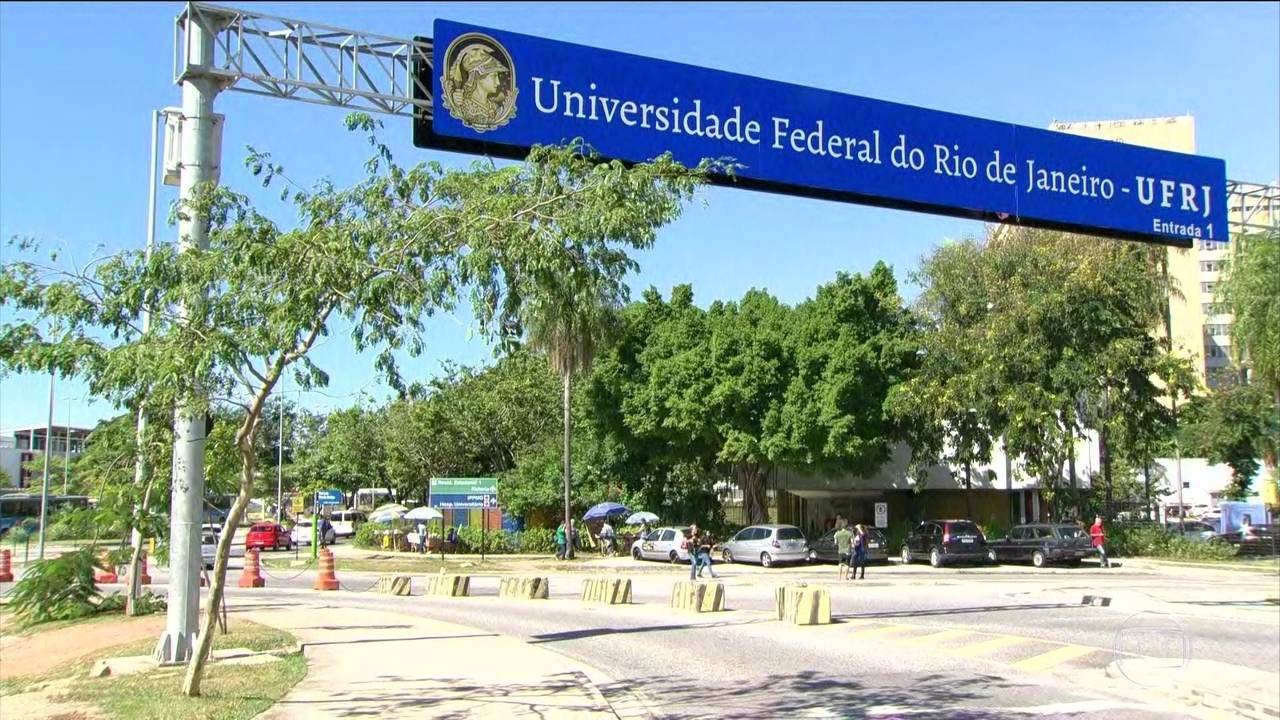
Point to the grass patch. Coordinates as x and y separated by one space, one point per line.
244 634
228 692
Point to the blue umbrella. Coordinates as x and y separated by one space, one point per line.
604 510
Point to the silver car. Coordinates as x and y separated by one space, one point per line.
661 544
767 544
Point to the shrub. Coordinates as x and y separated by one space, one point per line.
1151 540
77 524
60 588
536 541
367 535
471 538
148 604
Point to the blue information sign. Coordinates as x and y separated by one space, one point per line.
329 497
498 93
463 493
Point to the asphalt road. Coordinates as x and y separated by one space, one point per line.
908 643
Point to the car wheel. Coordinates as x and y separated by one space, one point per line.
726 556
1037 559
635 553
991 556
935 558
906 555
813 556
766 559
674 556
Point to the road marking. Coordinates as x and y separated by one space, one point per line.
1046 660
885 630
939 636
986 646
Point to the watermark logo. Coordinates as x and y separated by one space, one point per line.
1151 649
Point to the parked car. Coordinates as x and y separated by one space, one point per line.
209 547
661 544
945 541
1193 529
301 533
1041 544
346 522
824 548
1263 540
766 544
266 535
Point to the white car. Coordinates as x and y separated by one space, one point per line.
346 522
209 546
301 533
661 544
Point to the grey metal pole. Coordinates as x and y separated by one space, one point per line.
140 469
44 492
66 451
182 623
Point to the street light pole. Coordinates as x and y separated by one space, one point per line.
44 492
280 460
66 450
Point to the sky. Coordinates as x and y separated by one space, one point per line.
78 84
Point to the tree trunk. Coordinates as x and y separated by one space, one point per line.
135 560
755 504
1146 490
968 489
1104 455
204 643
568 454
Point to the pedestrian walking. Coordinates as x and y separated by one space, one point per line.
844 548
700 544
1099 540
422 537
560 542
859 553
606 539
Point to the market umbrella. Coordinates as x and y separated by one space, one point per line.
387 513
424 513
604 510
643 516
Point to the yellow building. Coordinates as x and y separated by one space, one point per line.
1199 330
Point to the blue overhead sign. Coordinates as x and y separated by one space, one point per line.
498 93
463 493
329 497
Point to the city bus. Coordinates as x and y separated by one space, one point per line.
369 498
17 507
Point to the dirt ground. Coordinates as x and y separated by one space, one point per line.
39 653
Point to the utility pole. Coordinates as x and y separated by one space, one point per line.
280 460
199 88
44 492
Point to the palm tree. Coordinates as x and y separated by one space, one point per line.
570 322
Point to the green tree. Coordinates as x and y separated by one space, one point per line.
1235 425
381 255
1251 289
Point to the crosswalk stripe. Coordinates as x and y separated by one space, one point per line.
1046 660
883 630
938 636
986 646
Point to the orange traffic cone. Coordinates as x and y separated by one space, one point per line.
6 569
326 580
107 572
251 577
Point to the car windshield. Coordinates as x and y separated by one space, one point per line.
963 528
790 534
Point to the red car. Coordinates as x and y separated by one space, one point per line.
268 535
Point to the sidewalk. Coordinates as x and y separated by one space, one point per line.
382 664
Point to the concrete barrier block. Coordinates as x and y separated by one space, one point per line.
803 605
697 597
524 588
448 585
395 584
609 591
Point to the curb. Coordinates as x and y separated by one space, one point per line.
1210 698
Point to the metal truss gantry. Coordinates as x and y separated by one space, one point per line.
1252 207
299 60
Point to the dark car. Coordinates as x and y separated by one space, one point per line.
1042 544
945 541
1262 540
824 548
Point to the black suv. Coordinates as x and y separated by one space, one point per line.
945 541
1043 544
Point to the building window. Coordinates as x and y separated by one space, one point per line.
1211 245
1214 350
1207 287
1186 485
1210 266
1222 329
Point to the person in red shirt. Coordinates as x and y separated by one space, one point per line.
1099 540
